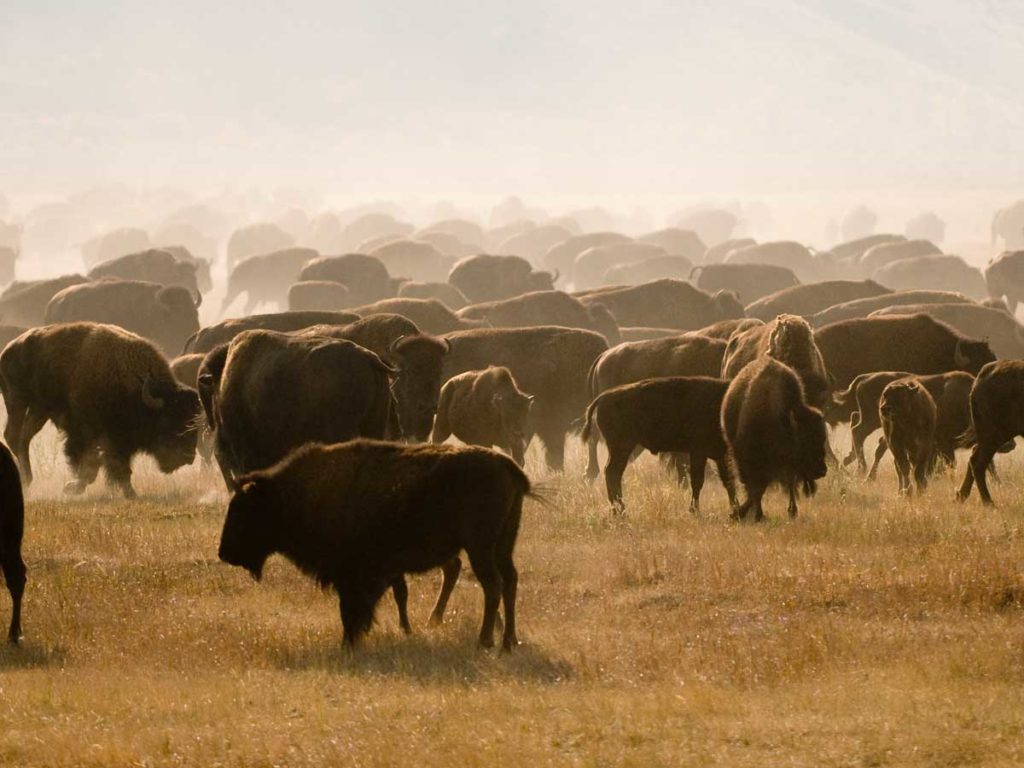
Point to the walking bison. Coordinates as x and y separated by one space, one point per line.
908 416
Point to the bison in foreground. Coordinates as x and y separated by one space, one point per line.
111 392
12 528
484 408
772 433
677 414
908 415
359 515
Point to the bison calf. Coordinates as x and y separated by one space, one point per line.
12 526
772 434
484 408
358 515
678 414
908 413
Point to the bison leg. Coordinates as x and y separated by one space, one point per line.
981 460
553 438
118 465
921 465
356 601
517 449
28 426
618 460
792 508
450 571
509 585
14 573
880 449
859 430
725 475
698 466
593 467
902 461
84 461
401 592
487 573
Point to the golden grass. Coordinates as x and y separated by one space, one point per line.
870 631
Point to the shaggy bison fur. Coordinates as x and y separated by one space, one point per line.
908 414
12 528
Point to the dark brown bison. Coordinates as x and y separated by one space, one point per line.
318 295
790 340
997 417
749 282
24 302
109 391
543 308
359 515
678 414
807 300
666 304
1004 278
851 310
918 344
908 415
430 315
491 278
932 273
549 362
186 370
154 265
267 393
265 278
772 433
484 408
165 314
418 360
12 529
1002 332
211 337
366 277
446 293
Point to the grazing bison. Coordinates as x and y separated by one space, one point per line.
918 344
484 408
318 295
24 303
666 304
933 273
790 340
1002 332
851 310
1004 278
446 293
549 362
492 278
109 391
543 308
267 393
165 314
155 265
265 278
366 277
749 282
772 433
677 414
12 528
430 315
359 515
908 415
211 337
806 300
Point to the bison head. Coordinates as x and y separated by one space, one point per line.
513 409
540 281
417 386
727 305
250 534
811 437
172 423
970 355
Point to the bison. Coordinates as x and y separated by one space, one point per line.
109 391
165 314
772 433
265 278
446 293
358 515
935 273
879 255
908 414
12 528
484 408
211 337
267 393
1004 278
666 304
795 258
749 282
256 240
543 308
851 310
918 344
657 268
492 278
154 265
429 314
676 414
317 295
23 303
807 300
1002 332
366 277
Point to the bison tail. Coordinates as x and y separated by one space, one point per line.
588 419
543 493
969 437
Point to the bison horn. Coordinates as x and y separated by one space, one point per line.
555 275
394 345
959 358
148 398
198 300
447 345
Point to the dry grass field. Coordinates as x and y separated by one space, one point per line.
870 631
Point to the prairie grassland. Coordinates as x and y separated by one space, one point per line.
869 631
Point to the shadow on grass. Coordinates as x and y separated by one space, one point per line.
429 656
30 655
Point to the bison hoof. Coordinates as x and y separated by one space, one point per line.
74 487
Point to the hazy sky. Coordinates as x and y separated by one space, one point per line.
467 99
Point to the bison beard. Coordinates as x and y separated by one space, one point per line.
356 516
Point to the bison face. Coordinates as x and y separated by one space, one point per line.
176 421
249 534
418 384
971 355
728 305
513 411
811 437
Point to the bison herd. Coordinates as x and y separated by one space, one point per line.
328 414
